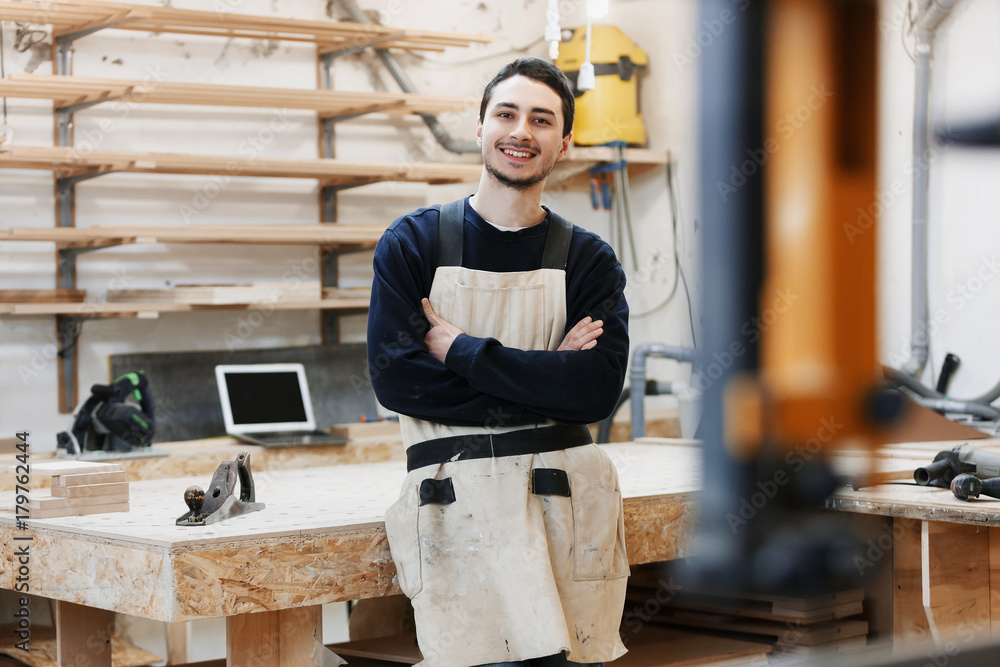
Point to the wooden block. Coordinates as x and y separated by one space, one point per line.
118 489
69 467
80 479
78 511
53 502
83 635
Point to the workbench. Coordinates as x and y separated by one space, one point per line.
945 555
320 539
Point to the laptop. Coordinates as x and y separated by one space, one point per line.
269 405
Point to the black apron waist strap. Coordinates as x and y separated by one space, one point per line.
487 445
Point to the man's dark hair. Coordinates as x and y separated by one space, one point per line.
541 71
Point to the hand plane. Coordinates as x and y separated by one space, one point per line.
219 503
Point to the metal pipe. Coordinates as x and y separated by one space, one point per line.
926 25
960 407
919 311
442 135
637 381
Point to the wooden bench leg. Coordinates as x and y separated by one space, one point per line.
83 635
177 643
285 638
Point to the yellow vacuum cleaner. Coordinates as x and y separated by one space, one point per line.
609 112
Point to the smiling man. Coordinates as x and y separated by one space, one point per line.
498 331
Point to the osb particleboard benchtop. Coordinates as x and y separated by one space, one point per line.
320 539
200 458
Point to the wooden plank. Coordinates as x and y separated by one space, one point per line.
38 502
955 564
83 635
804 635
70 89
662 647
57 512
42 295
69 467
759 610
117 490
909 621
67 17
400 648
295 290
994 540
88 478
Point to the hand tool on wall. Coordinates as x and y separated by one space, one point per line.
219 503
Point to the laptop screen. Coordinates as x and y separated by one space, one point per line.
264 397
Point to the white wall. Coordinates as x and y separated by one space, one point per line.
964 234
28 399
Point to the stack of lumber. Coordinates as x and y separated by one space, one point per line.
793 625
78 488
289 290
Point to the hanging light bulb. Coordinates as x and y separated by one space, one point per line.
597 9
552 32
585 78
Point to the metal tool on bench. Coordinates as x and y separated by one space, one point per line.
219 503
966 469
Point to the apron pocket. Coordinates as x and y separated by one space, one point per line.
437 491
598 541
550 482
402 529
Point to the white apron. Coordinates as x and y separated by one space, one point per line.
502 574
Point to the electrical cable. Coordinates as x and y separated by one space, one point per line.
3 71
679 277
907 29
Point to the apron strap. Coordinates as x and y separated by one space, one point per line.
556 253
451 236
451 228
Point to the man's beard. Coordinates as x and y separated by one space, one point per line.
517 183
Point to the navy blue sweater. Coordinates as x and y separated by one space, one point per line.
482 382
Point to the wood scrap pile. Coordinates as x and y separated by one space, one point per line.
792 625
78 488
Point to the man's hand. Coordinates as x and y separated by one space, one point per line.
583 336
441 335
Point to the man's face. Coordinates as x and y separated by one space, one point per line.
521 132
